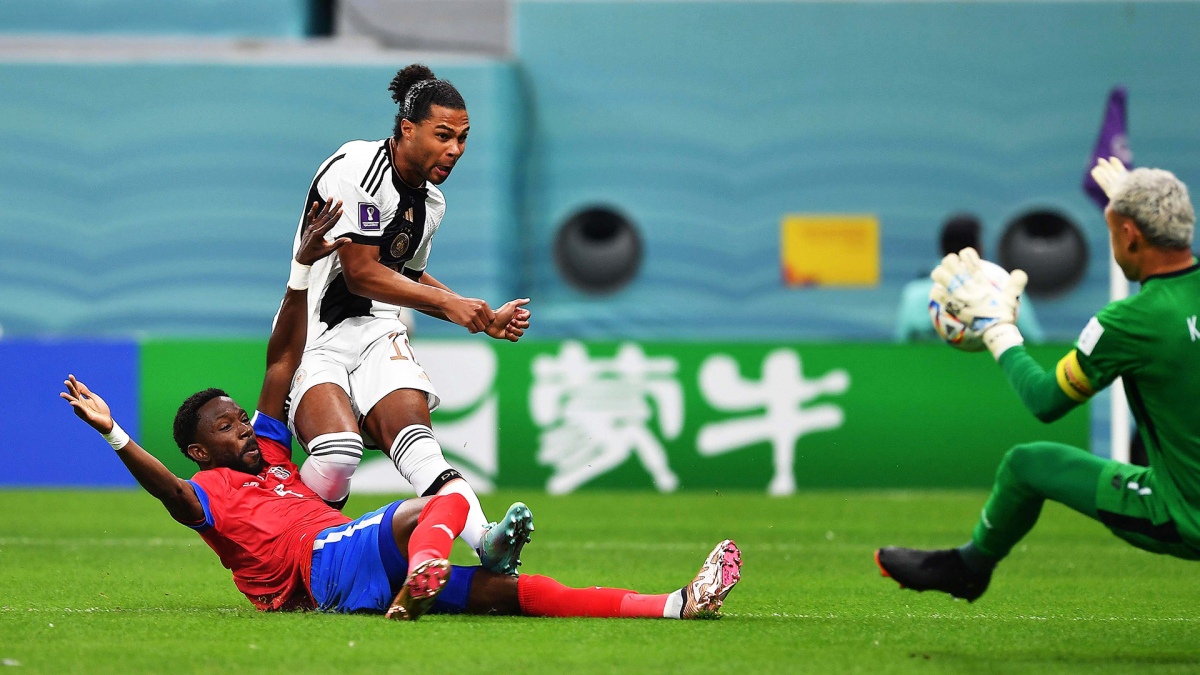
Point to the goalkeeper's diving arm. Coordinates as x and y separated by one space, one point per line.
1048 395
994 312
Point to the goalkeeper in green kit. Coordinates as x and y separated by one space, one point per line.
1151 340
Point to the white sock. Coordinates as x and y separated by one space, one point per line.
674 606
418 458
476 521
332 459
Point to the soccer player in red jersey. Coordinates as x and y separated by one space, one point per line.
288 549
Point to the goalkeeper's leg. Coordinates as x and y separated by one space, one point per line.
1028 475
1118 495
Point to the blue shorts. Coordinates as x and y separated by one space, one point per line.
357 567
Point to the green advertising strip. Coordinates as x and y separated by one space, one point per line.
172 370
563 416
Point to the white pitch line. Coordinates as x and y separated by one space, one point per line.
111 541
816 546
960 617
127 610
701 547
732 615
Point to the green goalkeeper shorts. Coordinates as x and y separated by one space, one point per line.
1127 503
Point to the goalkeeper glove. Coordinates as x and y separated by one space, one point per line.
1108 174
972 298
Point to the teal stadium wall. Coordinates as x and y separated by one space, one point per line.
227 18
161 198
706 121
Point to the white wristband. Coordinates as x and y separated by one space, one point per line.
298 280
117 438
1001 338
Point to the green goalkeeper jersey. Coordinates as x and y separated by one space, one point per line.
1151 340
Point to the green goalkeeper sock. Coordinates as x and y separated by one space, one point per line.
1028 475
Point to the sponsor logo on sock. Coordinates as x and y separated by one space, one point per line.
983 516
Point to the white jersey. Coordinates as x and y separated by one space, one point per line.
378 209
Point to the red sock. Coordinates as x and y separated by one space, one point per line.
440 522
543 596
644 606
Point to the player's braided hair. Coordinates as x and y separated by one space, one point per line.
187 418
416 90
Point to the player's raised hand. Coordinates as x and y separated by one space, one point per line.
971 296
1108 174
318 221
470 313
88 406
512 319
952 272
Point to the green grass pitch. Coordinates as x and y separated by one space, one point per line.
105 582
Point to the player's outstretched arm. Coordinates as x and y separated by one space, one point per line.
367 277
286 344
509 322
428 280
993 312
175 494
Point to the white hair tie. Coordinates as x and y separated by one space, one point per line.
411 95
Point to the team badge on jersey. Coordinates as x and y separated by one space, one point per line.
400 245
368 217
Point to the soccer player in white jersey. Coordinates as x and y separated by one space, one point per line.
358 370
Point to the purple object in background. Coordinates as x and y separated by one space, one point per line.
1112 142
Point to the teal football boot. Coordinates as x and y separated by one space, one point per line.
500 551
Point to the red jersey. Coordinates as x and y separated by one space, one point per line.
263 526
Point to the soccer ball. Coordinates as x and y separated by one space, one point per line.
948 326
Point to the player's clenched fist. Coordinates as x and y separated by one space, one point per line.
511 321
470 313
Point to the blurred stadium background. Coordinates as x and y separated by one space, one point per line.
714 206
688 180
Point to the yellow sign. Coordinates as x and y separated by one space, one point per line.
830 249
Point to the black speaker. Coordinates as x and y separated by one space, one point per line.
598 250
1049 247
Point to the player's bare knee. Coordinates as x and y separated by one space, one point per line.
395 412
324 409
